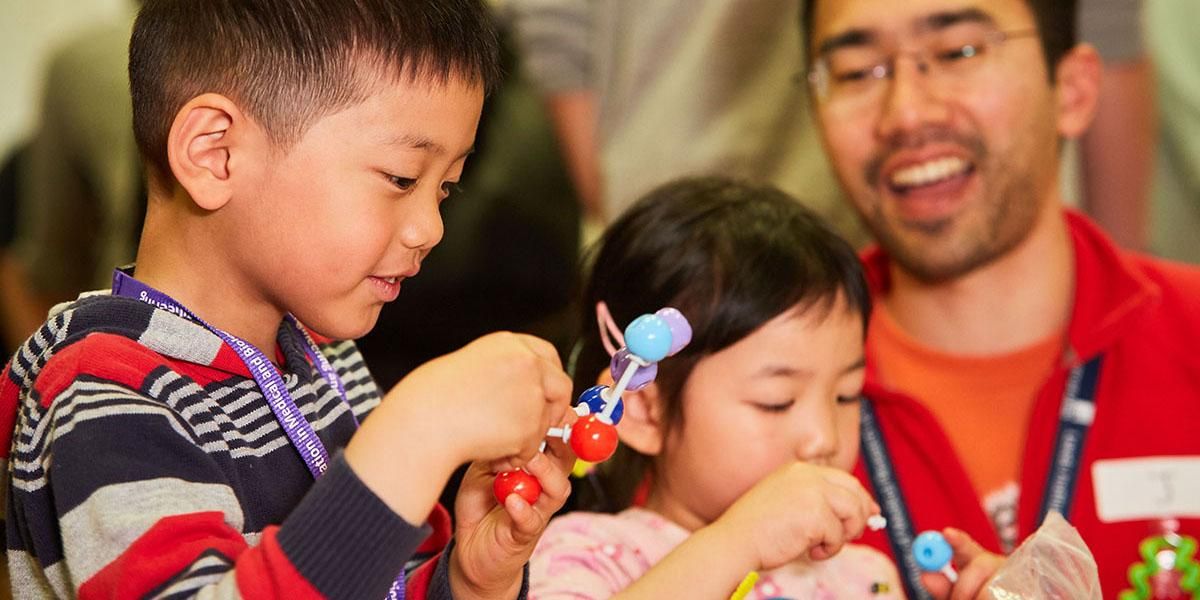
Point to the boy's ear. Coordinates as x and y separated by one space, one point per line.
200 146
641 427
1077 86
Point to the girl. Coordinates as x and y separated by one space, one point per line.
736 458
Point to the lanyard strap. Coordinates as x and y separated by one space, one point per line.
1077 413
304 439
321 363
891 500
1074 420
298 430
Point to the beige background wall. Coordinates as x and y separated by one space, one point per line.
29 30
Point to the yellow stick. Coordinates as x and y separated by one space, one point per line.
743 588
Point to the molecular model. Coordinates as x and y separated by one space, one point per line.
593 437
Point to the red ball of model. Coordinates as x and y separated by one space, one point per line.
592 439
516 482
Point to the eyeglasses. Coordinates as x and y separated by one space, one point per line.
855 74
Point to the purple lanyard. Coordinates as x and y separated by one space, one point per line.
304 439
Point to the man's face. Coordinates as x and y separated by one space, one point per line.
948 159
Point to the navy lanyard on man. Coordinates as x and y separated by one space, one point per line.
298 430
1075 418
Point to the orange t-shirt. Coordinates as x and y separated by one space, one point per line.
965 394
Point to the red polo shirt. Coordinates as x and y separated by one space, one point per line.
1143 316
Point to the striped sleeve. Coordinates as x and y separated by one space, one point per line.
120 490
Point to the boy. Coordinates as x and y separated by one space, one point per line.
298 151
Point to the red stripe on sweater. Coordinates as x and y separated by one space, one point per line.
175 542
10 403
227 360
265 572
115 358
108 356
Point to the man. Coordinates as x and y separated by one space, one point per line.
997 309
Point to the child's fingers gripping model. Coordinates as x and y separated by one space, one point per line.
593 437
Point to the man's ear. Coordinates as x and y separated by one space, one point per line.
1077 87
200 145
641 427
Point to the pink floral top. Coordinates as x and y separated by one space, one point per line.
584 556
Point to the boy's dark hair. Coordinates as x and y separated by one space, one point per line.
731 256
1055 22
289 62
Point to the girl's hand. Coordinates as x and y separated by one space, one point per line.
975 566
800 509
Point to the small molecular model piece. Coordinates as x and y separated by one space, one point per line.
648 339
933 554
517 482
876 523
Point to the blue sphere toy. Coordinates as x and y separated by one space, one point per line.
595 402
932 551
648 337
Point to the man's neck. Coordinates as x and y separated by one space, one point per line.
182 265
1009 304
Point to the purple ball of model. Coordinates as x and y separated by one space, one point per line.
641 377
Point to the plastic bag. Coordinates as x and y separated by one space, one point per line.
1052 563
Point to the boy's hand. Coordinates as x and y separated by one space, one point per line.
501 393
494 542
800 509
492 400
975 566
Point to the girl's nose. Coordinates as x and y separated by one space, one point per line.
818 437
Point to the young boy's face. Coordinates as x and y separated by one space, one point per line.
330 226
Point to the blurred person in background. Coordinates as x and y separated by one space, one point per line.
643 92
77 192
1175 49
1117 153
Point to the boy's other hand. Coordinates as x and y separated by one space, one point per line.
495 541
975 566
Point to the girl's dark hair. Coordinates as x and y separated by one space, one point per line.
731 256
289 62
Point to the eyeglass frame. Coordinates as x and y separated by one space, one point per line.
818 75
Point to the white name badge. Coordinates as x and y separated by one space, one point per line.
1135 489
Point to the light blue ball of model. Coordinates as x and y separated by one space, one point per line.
648 337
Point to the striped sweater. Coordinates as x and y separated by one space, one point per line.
145 462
